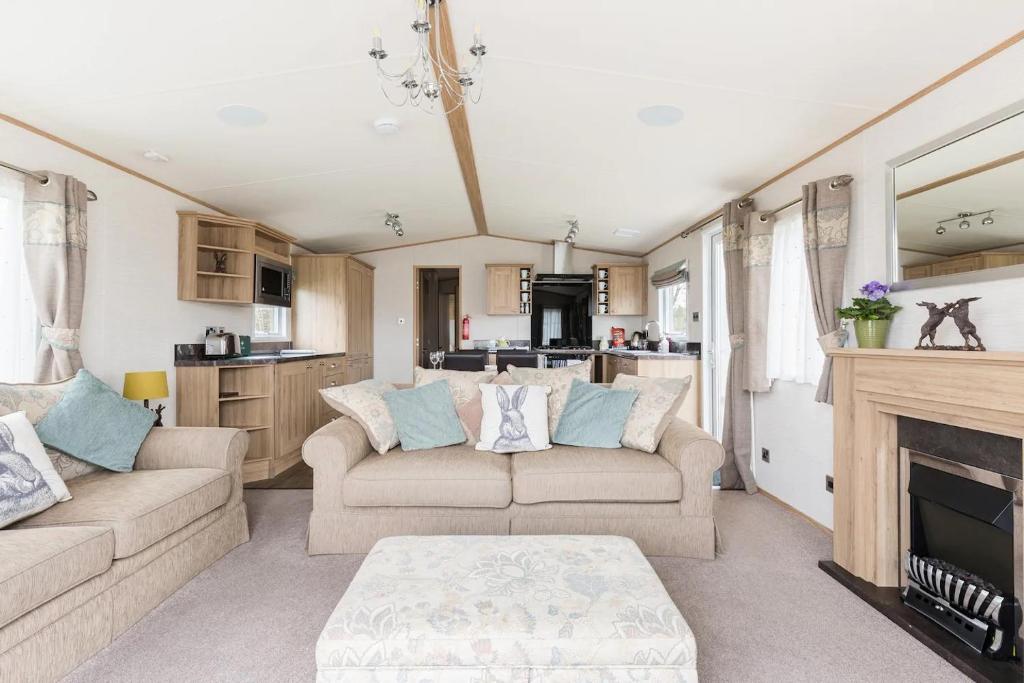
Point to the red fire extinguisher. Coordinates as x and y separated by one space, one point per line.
465 328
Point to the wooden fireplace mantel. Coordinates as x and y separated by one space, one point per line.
872 387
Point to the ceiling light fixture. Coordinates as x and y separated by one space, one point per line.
386 125
660 115
391 221
153 155
965 224
574 229
422 82
626 232
241 115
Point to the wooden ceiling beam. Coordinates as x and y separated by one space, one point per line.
458 122
1002 161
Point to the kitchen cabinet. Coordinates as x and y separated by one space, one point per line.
279 404
964 263
620 289
332 309
509 288
644 366
204 238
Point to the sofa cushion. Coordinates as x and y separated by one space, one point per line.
569 473
454 476
140 507
40 564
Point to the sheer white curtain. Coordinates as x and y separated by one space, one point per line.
551 325
793 351
19 324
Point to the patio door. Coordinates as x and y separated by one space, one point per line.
715 332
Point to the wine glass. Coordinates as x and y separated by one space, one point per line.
440 358
434 359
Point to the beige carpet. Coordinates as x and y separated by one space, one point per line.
761 612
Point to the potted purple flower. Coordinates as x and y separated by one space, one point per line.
871 315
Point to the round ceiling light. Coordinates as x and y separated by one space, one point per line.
386 126
241 116
153 155
660 115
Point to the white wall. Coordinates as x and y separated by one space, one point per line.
393 293
787 421
132 316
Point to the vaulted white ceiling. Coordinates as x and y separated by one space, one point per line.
761 85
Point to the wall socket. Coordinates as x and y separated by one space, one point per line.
829 483
766 455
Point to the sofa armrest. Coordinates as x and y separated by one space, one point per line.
181 447
696 454
332 451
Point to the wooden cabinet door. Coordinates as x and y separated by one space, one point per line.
914 272
628 291
293 396
502 290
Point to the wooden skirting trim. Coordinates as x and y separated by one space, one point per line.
790 508
899 106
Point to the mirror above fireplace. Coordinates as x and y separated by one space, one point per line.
956 205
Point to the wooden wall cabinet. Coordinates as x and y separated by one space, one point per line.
202 237
332 309
964 263
620 289
509 288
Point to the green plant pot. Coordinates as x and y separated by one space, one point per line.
871 334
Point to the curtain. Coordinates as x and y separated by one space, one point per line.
670 275
792 339
826 230
747 242
55 239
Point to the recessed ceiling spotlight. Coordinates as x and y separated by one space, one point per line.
153 155
660 115
241 115
386 126
626 232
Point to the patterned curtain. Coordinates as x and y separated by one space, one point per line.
747 241
55 235
826 231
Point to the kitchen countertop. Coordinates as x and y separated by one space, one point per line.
254 359
651 355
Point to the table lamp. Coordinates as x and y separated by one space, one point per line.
142 386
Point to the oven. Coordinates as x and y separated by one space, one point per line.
273 283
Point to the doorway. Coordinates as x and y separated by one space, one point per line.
716 332
438 303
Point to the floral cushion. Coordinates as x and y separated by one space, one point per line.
560 381
36 400
364 403
506 608
658 402
465 388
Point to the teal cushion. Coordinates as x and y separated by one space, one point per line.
425 417
92 422
594 416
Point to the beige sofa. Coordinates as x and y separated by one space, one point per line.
661 500
77 575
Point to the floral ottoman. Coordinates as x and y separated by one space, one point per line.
506 608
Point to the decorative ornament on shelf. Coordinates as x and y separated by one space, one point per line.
220 262
871 315
959 311
434 73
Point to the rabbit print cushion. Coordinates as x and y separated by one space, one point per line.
515 418
28 482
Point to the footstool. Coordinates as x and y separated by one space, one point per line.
506 608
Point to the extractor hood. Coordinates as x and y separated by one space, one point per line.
562 268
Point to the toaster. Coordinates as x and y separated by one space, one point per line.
221 344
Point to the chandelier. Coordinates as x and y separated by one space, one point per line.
434 73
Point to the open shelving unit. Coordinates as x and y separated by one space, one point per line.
602 290
203 238
525 288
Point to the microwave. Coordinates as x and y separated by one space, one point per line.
273 283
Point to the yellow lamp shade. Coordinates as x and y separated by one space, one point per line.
142 386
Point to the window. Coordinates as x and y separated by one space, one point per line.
672 310
19 325
792 337
270 323
552 325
